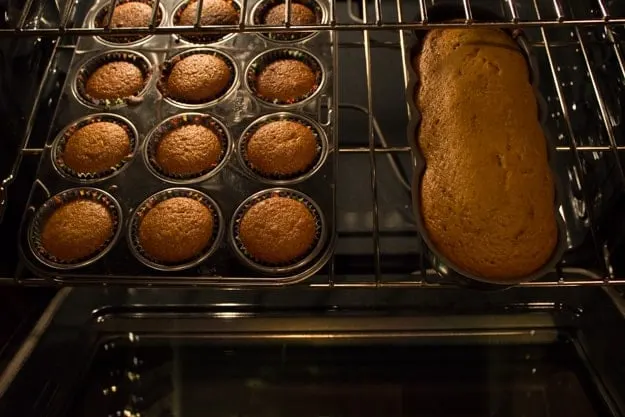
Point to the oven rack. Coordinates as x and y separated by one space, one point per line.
28 24
372 21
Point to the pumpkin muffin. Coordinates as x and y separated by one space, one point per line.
281 147
277 230
131 14
214 12
176 230
198 78
77 230
188 150
96 147
300 15
115 80
285 81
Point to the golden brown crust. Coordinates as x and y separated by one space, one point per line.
114 80
77 230
214 12
176 230
282 147
198 77
277 230
285 80
487 195
189 149
131 14
300 15
96 147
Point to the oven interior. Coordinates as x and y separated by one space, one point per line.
375 331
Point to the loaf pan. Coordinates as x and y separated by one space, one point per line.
445 268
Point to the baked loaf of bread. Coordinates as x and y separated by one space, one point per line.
487 195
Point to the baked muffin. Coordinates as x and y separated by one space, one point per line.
281 147
214 12
277 230
96 147
77 230
285 81
198 78
300 15
187 150
115 80
176 230
131 14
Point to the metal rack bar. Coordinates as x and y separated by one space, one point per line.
468 14
109 14
604 10
287 13
513 12
372 157
24 15
557 8
244 4
198 13
370 26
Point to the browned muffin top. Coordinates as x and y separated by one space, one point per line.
300 15
285 80
96 147
115 80
176 230
77 230
277 230
214 12
198 77
131 14
189 149
281 147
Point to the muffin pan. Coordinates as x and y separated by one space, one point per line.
226 186
445 268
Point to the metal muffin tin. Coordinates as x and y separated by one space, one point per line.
445 268
228 186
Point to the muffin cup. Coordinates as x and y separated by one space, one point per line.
260 10
169 64
58 148
297 263
64 197
261 61
149 203
97 21
86 69
179 120
200 39
322 149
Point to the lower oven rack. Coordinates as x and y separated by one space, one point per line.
556 27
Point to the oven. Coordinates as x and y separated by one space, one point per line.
370 323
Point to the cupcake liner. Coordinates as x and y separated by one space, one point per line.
262 8
266 58
99 21
97 61
64 197
149 203
322 151
166 126
201 39
281 268
58 147
169 64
